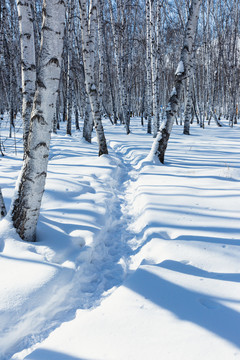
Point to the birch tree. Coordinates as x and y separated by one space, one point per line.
124 55
110 77
28 63
116 44
188 107
100 52
10 58
26 205
3 211
161 141
89 26
153 8
148 70
88 120
69 90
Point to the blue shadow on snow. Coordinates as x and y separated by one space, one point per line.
194 271
188 305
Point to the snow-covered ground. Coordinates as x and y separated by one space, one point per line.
134 260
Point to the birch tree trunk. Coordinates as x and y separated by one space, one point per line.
36 31
69 66
126 93
28 63
160 144
117 59
30 188
56 115
189 98
77 127
154 66
214 98
88 121
122 54
188 108
8 33
89 25
100 53
3 211
159 31
111 85
148 68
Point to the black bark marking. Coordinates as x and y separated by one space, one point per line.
39 119
28 179
53 60
44 11
28 36
39 175
45 27
41 144
40 84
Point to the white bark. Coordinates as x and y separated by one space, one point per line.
26 205
28 62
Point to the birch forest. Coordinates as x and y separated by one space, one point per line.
163 61
119 59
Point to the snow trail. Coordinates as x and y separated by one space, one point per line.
83 232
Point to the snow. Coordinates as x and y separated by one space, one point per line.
135 260
180 68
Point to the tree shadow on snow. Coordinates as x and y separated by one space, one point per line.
194 271
188 305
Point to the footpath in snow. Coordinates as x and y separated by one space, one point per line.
135 260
